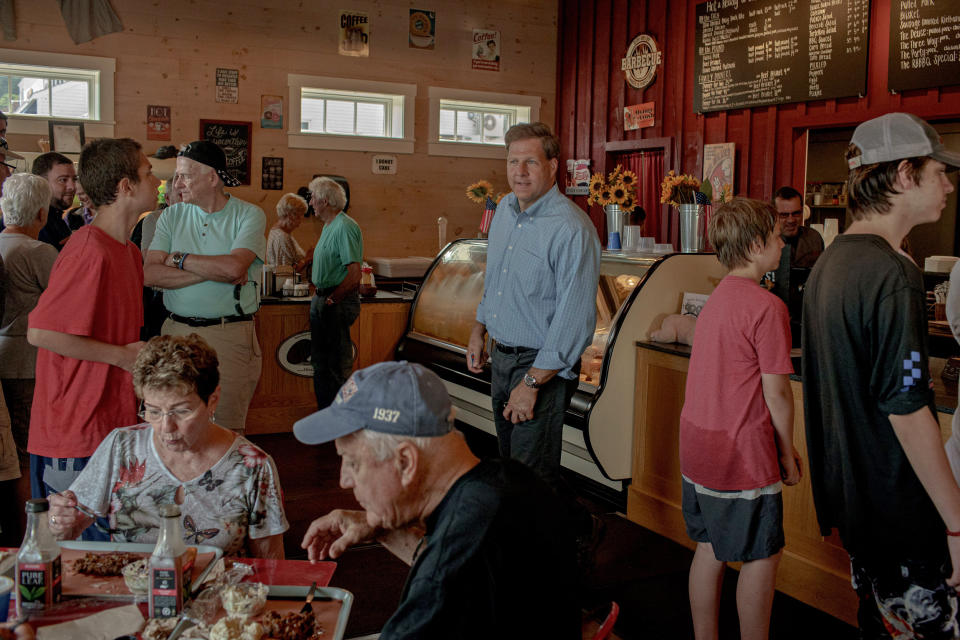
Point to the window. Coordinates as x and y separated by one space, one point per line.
350 115
39 86
473 123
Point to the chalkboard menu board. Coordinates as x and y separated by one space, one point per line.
759 52
234 138
924 44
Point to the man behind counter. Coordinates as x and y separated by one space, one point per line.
801 248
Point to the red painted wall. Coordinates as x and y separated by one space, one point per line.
770 141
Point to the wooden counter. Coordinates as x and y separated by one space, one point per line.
285 391
815 570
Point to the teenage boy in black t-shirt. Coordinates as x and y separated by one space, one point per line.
877 464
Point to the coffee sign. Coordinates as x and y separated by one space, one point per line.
639 66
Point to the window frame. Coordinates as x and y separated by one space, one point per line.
403 123
436 147
103 93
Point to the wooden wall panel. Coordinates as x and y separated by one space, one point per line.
770 140
169 51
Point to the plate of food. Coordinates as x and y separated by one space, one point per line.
279 615
97 568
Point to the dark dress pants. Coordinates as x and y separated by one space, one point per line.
535 442
331 349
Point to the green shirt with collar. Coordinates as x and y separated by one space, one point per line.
340 244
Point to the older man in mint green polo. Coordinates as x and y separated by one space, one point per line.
336 305
207 255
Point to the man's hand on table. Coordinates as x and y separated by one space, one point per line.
334 533
65 521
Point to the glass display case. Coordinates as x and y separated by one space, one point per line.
634 293
446 304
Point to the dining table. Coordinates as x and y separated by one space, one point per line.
89 602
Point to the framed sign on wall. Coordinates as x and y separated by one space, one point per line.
235 138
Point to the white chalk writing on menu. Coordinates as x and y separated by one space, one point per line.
761 52
924 44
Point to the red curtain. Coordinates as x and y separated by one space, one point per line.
648 165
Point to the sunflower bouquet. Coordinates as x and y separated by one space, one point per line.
682 189
480 190
619 187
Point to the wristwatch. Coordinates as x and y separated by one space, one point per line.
177 259
530 381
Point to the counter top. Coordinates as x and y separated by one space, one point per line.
381 297
945 398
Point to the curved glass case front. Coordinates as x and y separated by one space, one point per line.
447 302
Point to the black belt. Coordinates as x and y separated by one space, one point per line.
326 292
502 348
209 322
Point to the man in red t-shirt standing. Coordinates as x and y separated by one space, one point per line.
87 322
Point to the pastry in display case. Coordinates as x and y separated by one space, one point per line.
633 294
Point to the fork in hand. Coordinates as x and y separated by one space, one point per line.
87 511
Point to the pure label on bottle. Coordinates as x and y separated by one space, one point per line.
38 584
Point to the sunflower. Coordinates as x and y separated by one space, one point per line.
629 179
618 194
605 196
596 183
479 191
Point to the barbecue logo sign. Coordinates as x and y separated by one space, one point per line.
640 64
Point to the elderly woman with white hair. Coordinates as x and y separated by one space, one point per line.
282 248
27 263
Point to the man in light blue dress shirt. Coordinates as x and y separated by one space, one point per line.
538 304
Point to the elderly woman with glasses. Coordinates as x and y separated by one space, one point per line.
282 248
227 488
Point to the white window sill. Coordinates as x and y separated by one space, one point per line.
39 125
467 150
296 140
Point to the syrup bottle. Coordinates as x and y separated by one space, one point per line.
38 562
169 576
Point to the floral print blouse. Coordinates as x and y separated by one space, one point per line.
238 497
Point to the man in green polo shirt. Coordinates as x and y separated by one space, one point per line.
336 305
207 254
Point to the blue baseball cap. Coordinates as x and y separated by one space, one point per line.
399 398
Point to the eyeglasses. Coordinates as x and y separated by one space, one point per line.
177 415
9 166
788 214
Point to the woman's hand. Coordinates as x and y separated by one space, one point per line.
66 522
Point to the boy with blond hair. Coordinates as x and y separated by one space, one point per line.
736 428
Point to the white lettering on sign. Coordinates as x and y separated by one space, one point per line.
384 164
385 415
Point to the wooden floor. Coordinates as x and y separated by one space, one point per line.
644 572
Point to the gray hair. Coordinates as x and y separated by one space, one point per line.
291 206
24 194
329 191
383 446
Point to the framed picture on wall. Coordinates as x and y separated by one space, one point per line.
718 166
235 138
66 136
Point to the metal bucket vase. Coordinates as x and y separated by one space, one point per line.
615 217
692 228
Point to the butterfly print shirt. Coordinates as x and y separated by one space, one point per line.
238 497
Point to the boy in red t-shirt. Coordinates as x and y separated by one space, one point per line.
736 428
